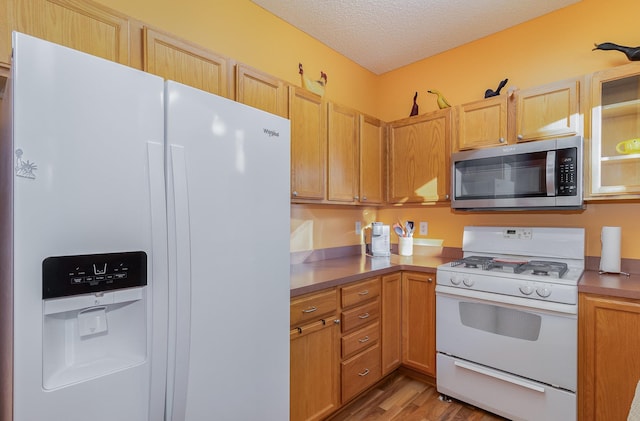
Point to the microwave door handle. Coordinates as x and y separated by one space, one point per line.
551 173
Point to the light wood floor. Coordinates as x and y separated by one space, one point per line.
401 398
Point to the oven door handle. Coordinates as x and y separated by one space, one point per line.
498 376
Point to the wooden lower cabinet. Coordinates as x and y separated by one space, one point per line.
383 322
419 322
608 362
314 359
391 318
360 366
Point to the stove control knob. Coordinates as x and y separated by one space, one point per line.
526 289
468 282
543 292
454 280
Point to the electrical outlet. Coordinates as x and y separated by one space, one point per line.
358 228
424 228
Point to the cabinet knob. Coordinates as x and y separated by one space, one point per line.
430 280
364 197
446 197
336 321
520 137
295 193
502 140
356 197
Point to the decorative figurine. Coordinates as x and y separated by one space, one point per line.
315 86
632 53
442 102
490 92
414 109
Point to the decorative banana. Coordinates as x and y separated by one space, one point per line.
315 86
442 102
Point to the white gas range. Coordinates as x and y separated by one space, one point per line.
506 316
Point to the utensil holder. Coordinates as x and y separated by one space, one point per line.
405 246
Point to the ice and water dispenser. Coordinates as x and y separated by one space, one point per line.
94 315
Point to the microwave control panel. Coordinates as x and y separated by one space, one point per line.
567 172
64 276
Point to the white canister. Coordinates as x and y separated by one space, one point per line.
405 246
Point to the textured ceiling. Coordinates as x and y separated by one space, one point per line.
382 35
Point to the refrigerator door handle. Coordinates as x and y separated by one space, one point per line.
182 281
159 284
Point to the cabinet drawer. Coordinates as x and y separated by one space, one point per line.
360 372
312 307
360 339
360 292
361 315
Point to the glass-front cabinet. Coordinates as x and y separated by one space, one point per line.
615 136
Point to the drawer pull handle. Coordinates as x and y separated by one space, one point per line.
310 310
365 292
363 340
364 373
363 316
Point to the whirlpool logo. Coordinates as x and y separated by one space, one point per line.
271 133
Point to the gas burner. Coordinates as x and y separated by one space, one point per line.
544 268
505 265
473 262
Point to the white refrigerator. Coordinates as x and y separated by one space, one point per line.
144 247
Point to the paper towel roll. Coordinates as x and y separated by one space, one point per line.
610 256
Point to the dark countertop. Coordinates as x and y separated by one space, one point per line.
620 286
315 276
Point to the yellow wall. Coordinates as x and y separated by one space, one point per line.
245 32
553 47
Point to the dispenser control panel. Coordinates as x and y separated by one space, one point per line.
89 273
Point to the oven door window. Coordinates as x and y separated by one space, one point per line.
500 320
512 176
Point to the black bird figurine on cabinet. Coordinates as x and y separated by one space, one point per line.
414 109
632 53
490 92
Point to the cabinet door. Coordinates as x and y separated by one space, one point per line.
261 91
372 160
419 322
615 132
548 111
391 322
184 62
342 154
315 365
5 41
419 151
482 123
81 25
608 363
308 144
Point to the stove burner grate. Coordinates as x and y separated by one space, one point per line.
481 262
544 268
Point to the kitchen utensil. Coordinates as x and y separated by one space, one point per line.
398 230
629 146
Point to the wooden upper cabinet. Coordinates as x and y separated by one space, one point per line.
307 113
342 154
482 123
372 160
81 25
419 152
613 148
259 90
548 111
5 38
182 61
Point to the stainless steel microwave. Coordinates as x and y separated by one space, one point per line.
544 174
